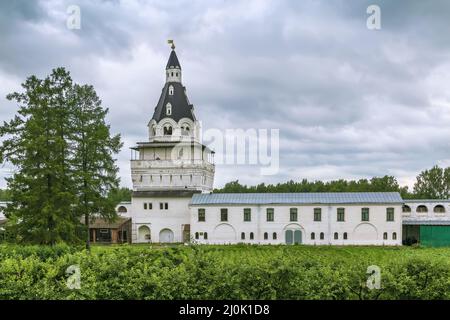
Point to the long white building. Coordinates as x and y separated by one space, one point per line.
294 218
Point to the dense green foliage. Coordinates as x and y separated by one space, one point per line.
433 184
386 183
5 195
430 184
120 194
94 168
224 272
62 152
116 195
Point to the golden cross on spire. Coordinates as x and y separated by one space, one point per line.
172 44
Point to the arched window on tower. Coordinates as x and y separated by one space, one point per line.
167 130
185 130
168 109
171 91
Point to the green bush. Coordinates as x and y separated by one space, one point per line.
223 272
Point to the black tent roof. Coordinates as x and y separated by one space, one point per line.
173 61
181 108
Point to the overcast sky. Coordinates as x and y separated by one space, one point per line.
349 102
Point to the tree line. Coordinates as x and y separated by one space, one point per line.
63 154
433 183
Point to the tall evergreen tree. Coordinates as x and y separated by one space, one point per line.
37 145
95 171
63 154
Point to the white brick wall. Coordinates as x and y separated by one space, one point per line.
368 233
156 219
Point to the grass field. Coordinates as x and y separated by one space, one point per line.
223 272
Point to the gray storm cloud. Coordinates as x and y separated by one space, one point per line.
349 102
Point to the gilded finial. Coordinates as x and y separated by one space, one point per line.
171 43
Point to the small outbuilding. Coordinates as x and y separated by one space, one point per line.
104 231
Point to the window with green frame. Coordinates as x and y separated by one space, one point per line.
340 214
365 214
201 215
389 214
293 214
317 214
223 214
247 214
270 214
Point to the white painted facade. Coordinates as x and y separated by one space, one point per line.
426 210
372 232
162 224
124 209
185 129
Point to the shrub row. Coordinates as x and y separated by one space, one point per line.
227 272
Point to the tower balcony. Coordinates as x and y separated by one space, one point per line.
171 164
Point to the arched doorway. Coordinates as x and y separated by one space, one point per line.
293 234
144 234
166 235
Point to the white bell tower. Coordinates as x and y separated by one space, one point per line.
173 158
168 168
